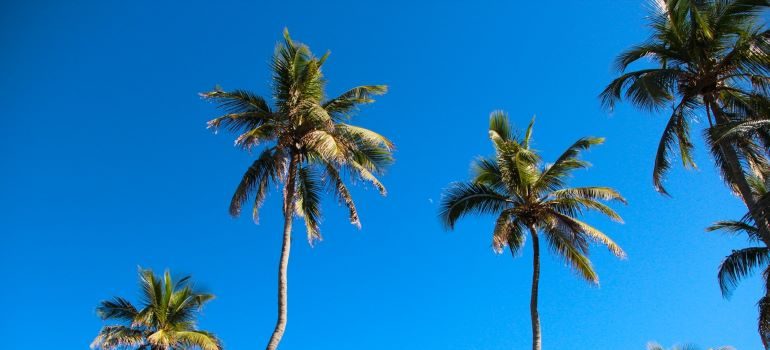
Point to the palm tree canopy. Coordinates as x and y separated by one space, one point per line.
165 320
523 192
711 53
306 127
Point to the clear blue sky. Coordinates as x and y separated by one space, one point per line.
108 165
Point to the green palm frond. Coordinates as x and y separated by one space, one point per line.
462 199
499 127
254 183
117 337
591 192
308 204
574 206
363 173
528 134
740 264
735 227
648 88
553 176
508 232
581 228
117 309
244 109
675 136
563 244
341 106
199 339
343 193
764 312
486 171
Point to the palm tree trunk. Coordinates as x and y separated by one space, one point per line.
736 176
536 340
744 189
288 215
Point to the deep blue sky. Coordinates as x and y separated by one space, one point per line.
108 165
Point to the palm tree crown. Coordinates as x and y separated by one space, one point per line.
710 56
308 142
516 186
708 53
527 195
308 147
165 320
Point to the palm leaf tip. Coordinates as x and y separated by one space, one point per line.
286 35
499 126
215 92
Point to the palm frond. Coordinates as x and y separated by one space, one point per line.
342 192
200 339
553 176
735 227
563 245
499 127
592 192
117 337
580 227
740 264
244 110
342 105
508 232
676 133
308 204
486 171
255 181
118 309
648 89
462 199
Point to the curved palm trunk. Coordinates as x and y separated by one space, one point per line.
288 214
744 189
535 283
738 178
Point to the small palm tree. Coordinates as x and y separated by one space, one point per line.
528 196
165 321
656 346
308 147
711 56
742 263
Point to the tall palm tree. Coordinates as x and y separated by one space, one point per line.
308 145
164 321
656 346
711 56
743 262
527 195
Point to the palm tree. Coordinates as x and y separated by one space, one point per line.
528 196
743 262
308 145
656 346
165 321
711 56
